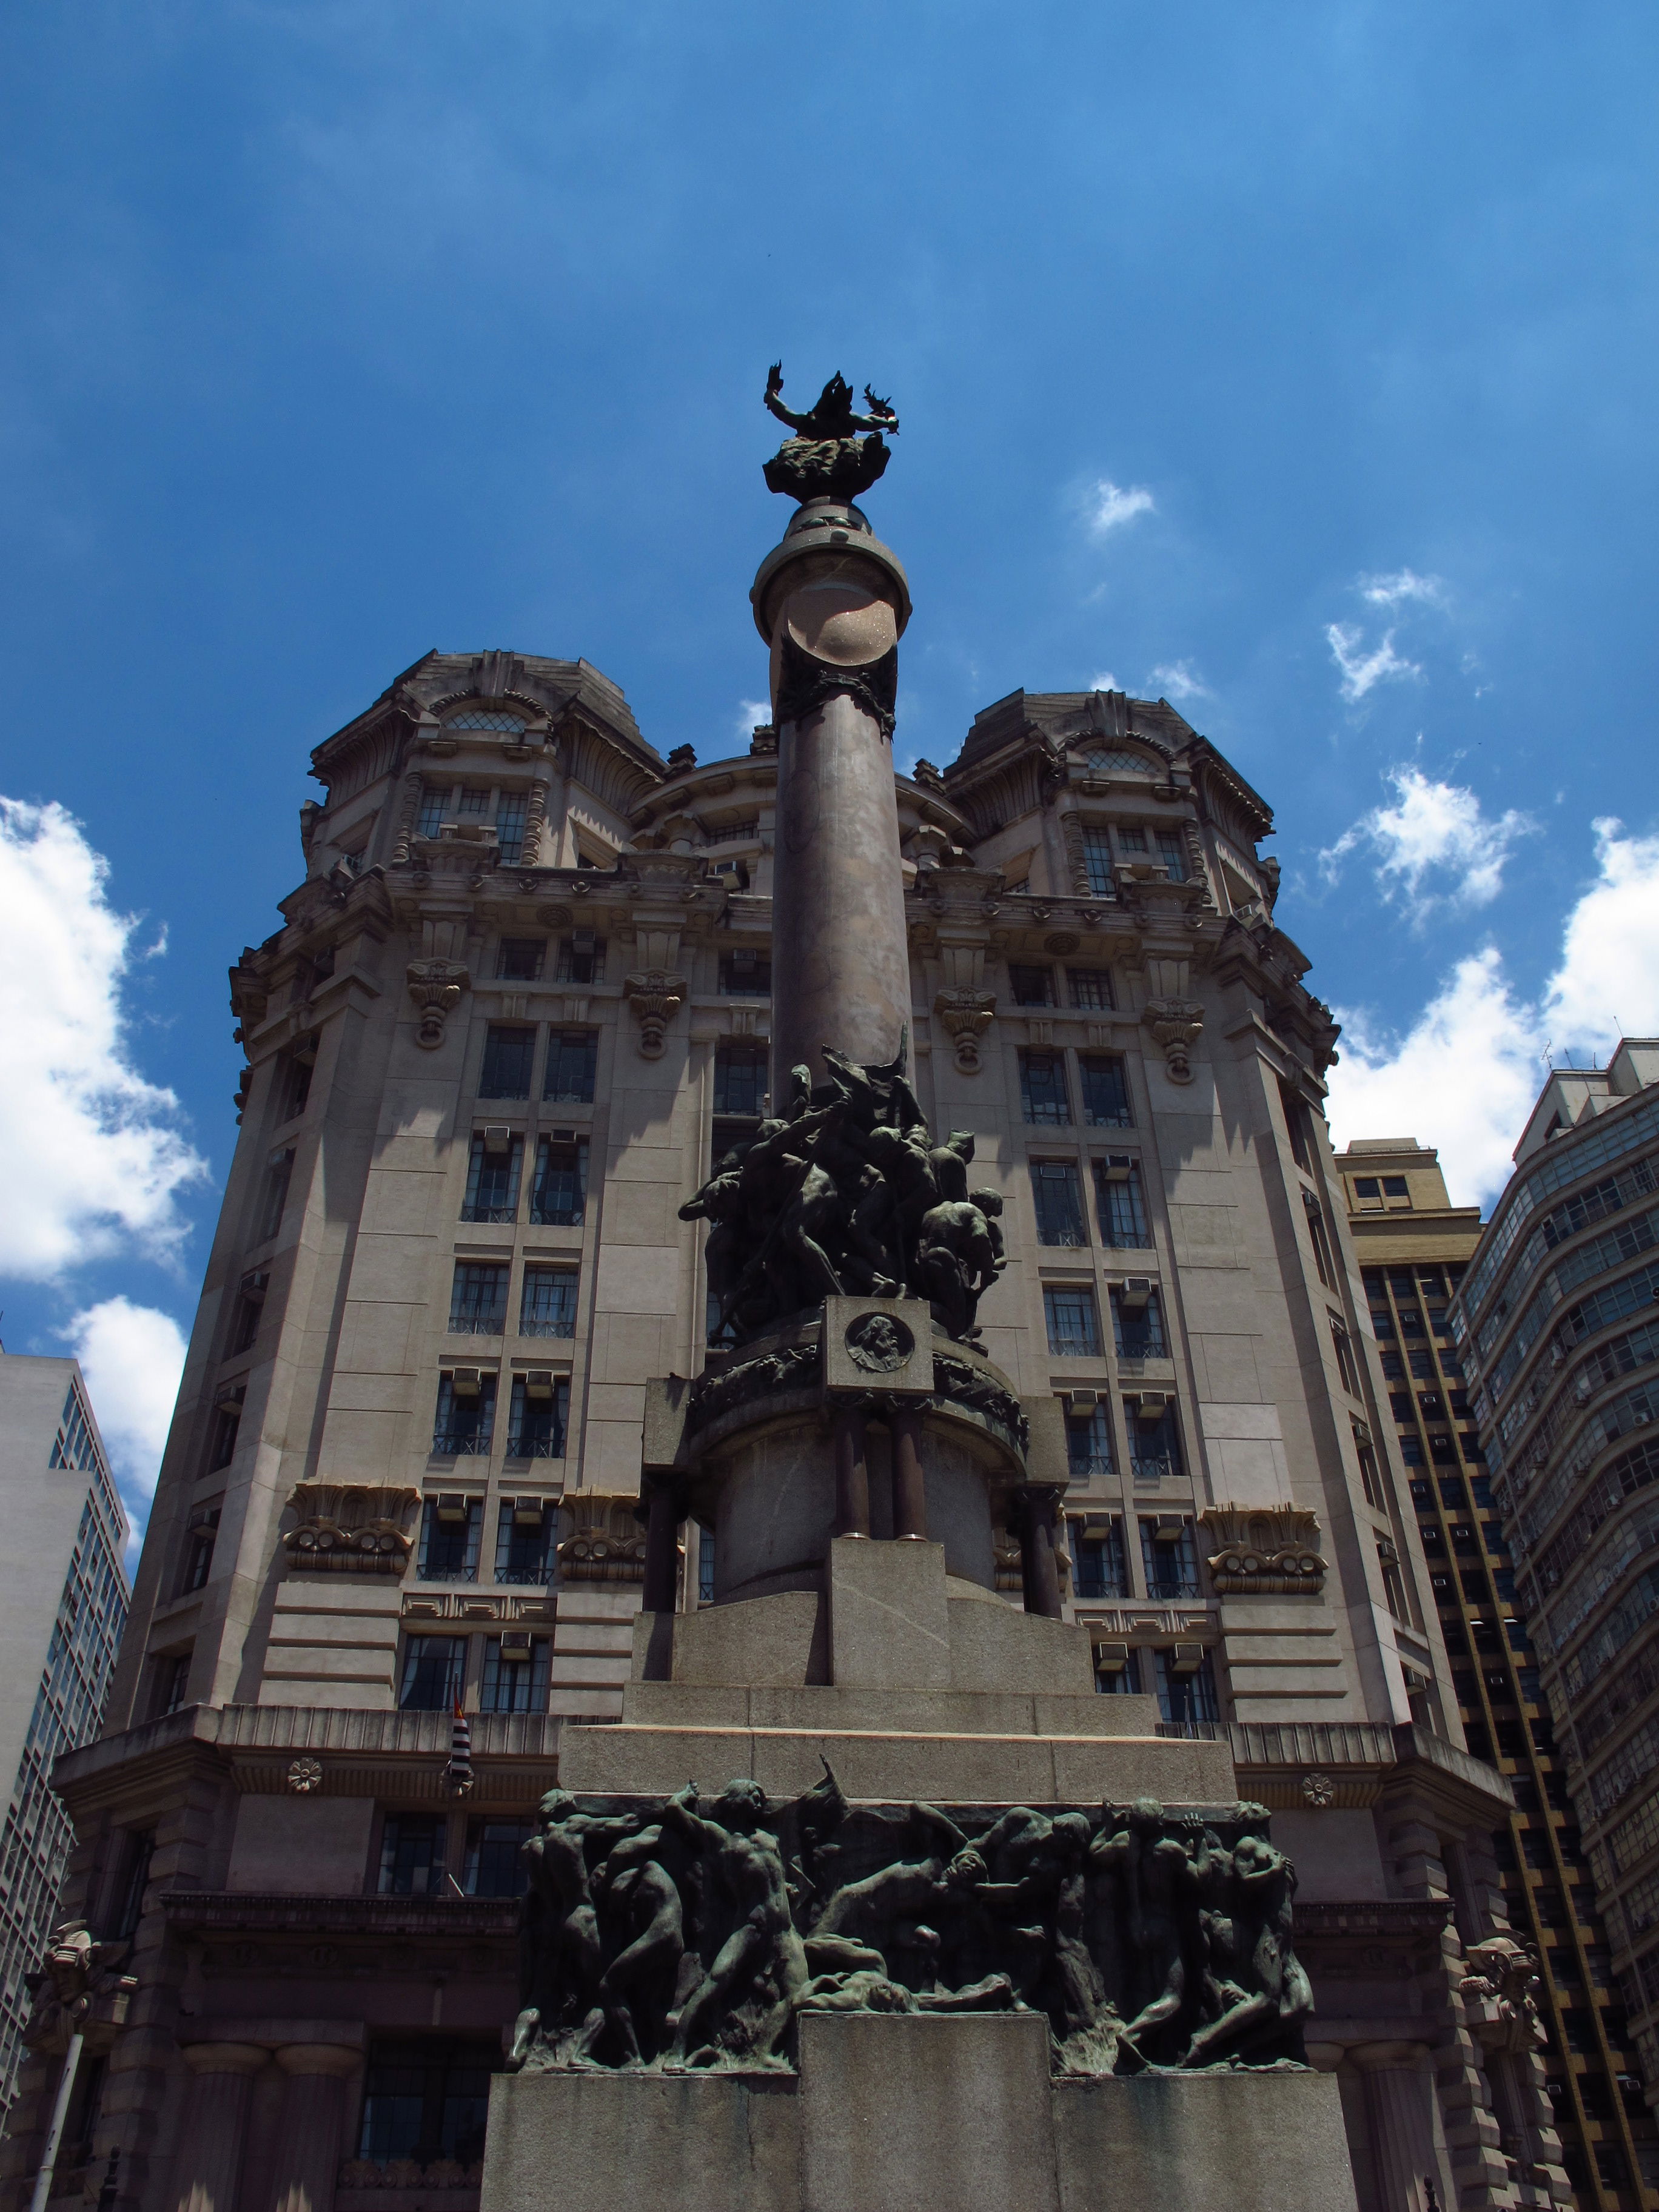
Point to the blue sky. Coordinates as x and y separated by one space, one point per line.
1296 363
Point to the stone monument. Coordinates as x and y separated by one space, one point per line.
871 1899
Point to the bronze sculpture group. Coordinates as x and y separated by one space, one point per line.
846 1193
668 1935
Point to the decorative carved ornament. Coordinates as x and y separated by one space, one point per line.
1499 1994
656 997
305 1777
1177 1025
607 1544
1317 1790
436 985
76 1991
965 1015
352 1528
1264 1550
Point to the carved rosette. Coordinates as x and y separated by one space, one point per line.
436 985
1176 1024
964 1016
656 997
1264 1550
351 1528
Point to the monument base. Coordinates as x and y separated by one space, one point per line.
900 2113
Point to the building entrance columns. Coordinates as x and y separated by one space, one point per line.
312 2124
1400 2106
215 2127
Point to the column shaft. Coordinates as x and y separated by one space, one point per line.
910 1485
852 1474
1399 2096
1039 1568
313 2115
214 2124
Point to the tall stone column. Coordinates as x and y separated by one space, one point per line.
1399 2101
831 601
313 2119
210 2139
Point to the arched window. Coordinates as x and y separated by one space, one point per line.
1103 762
505 726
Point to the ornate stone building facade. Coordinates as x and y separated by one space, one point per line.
517 1007
1563 1369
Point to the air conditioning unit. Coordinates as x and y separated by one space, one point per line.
1117 1167
515 1647
527 1512
204 1517
451 1505
1111 1658
564 1136
1149 1406
466 1382
230 1394
1134 1293
1082 1401
1584 1390
497 1138
1361 1432
1168 1529
1186 1659
538 1382
254 1286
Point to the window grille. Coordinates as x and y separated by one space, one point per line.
435 1668
1090 989
1154 1446
559 1199
1072 1323
1089 1443
1118 1205
740 1073
508 1055
493 1865
535 1426
1097 863
465 1420
1042 1096
1105 1091
548 1304
1138 1330
449 1546
573 1066
1058 1202
492 1181
411 1855
521 959
1171 1566
1032 986
514 1685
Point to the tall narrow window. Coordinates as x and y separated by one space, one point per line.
1090 989
559 1199
740 1078
1089 1443
465 1417
226 1425
1058 1202
450 1530
1324 1265
521 959
511 812
527 1541
435 809
1170 847
494 1866
1098 1562
477 1298
1169 1557
277 1176
1105 1091
1097 863
1346 1365
705 1566
1118 1204
548 1307
1185 1690
536 1418
412 1852
492 1176
434 1667
1296 1125
426 2100
1154 1439
250 1308
1072 1323
1032 986
573 1066
130 1894
1138 1323
1042 1095
581 959
510 1051
514 1675
198 1556
175 1682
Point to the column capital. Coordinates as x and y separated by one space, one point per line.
318 2058
224 2057
1389 2057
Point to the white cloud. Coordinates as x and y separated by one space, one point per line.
1465 1074
751 713
1104 682
1111 505
132 1357
1401 588
1431 828
1362 671
90 1154
1178 680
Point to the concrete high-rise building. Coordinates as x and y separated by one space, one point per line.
63 1599
1563 1372
520 1004
1414 1247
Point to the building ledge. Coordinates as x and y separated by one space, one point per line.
1366 1754
218 1911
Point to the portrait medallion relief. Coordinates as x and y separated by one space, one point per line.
878 1343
